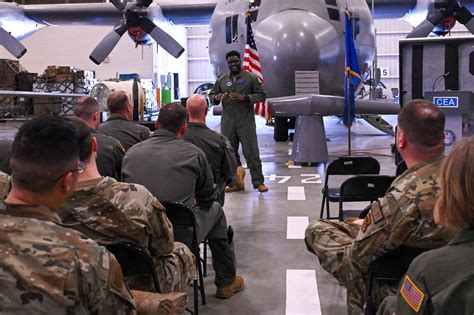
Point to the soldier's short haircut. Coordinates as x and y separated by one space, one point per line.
172 117
45 148
197 106
423 123
117 102
84 140
232 53
85 107
455 205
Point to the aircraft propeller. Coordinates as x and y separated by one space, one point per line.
11 44
440 11
135 15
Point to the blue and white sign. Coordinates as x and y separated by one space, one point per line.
446 101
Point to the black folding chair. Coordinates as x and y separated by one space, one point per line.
185 231
347 165
389 269
135 260
401 168
362 188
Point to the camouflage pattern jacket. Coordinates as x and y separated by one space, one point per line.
49 269
404 216
111 212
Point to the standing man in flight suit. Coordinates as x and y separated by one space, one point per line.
217 148
238 91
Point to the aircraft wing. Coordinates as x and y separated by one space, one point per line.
107 14
326 105
32 94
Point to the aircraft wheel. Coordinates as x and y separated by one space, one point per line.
280 131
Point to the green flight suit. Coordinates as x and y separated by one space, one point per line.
238 120
440 281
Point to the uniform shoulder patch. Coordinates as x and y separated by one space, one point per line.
117 276
412 294
377 214
366 223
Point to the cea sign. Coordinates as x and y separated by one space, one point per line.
446 101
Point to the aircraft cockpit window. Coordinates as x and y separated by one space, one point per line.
231 29
333 14
471 63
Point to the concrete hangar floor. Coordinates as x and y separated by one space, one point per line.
281 276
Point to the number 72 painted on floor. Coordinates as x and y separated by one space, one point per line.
307 178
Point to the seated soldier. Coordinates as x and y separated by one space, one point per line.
45 267
218 150
110 212
404 216
176 170
109 152
120 125
441 281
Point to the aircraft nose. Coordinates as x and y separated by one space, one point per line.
294 40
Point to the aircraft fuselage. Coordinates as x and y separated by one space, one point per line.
293 36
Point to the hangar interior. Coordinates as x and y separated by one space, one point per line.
281 276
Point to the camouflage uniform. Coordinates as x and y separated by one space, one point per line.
48 269
112 212
404 216
4 185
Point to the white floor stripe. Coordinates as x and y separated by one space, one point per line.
302 297
296 193
295 227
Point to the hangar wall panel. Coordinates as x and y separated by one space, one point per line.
199 66
71 46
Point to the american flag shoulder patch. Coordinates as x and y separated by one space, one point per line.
412 294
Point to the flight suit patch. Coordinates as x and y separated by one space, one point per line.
412 294
227 144
377 214
229 83
366 223
240 81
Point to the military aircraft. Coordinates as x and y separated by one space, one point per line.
139 18
291 36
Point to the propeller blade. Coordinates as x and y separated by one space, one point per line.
144 3
161 37
103 49
11 44
425 27
464 16
119 4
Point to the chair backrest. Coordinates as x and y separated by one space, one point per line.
364 188
352 165
184 223
134 260
401 167
390 267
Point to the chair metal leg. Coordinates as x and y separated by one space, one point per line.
201 283
204 259
322 207
328 214
196 296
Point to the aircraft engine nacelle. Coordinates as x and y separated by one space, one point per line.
293 40
139 36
